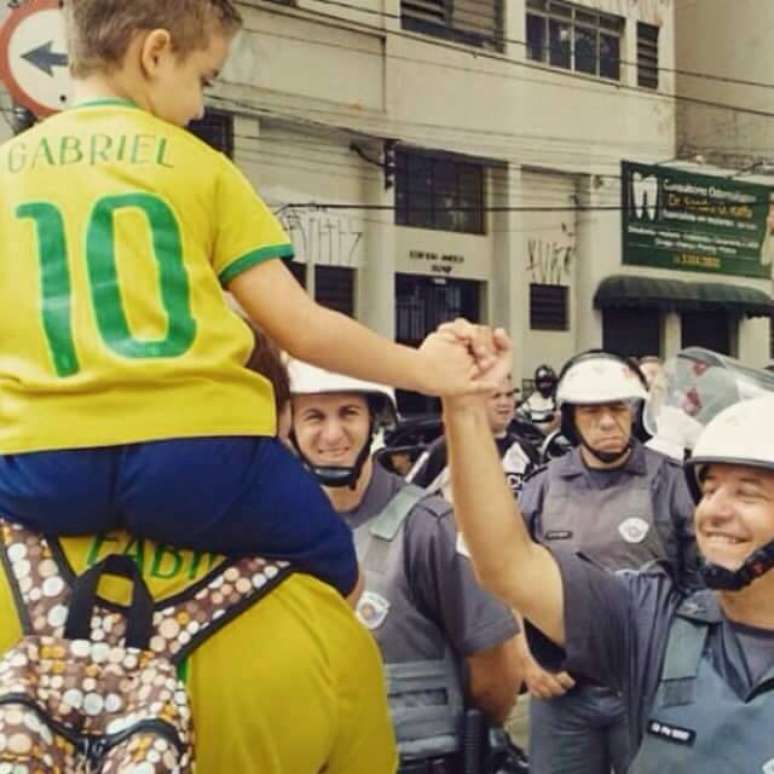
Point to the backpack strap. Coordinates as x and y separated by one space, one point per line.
39 588
183 624
180 624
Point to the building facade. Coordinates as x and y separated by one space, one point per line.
441 158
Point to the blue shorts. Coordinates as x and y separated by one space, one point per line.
229 495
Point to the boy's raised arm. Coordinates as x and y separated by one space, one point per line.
507 562
274 300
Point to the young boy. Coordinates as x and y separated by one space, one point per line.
124 400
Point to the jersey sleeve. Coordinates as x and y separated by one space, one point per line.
442 578
246 231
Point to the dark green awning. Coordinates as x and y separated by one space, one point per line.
672 295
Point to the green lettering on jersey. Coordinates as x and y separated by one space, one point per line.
55 284
142 148
136 549
196 560
92 557
99 147
166 569
70 151
121 147
17 157
161 154
103 274
43 151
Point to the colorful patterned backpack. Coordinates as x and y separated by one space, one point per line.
93 687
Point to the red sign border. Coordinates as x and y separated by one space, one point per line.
18 15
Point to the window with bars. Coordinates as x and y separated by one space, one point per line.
439 193
475 22
216 129
574 38
647 56
334 288
548 307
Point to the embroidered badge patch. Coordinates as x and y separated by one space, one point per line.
671 733
372 609
633 530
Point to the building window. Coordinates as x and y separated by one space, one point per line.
421 304
548 307
475 22
574 38
216 129
711 330
334 288
438 193
632 332
298 270
647 56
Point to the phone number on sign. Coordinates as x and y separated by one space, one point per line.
698 261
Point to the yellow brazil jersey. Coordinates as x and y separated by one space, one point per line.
119 232
292 684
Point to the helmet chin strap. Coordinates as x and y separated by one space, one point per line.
757 563
338 475
604 456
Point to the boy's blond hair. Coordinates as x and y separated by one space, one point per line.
99 31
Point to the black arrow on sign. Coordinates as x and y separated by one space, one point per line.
45 59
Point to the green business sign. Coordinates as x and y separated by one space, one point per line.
674 219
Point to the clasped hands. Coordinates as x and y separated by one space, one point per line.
465 360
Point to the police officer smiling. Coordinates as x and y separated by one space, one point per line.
446 643
695 668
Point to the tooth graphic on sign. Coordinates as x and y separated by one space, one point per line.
645 189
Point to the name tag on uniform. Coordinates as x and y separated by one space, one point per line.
671 733
559 534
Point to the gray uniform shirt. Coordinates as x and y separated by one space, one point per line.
670 500
440 579
616 630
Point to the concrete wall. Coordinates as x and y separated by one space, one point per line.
309 80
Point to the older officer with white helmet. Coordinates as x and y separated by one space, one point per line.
696 669
446 643
622 505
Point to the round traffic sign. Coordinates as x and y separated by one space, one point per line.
33 57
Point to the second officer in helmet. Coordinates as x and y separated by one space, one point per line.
621 505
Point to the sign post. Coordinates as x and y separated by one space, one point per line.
33 57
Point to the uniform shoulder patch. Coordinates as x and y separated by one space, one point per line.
372 609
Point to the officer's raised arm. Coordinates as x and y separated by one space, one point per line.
507 562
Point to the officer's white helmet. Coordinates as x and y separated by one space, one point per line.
739 435
594 378
307 379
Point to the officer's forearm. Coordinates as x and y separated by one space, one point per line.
507 562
